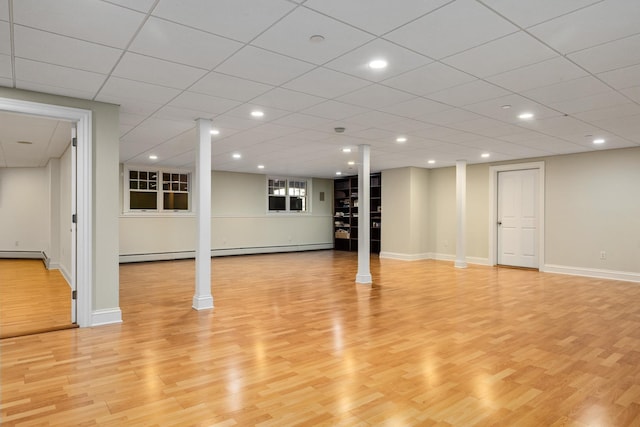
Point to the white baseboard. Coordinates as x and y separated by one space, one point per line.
626 276
64 273
432 255
168 256
22 254
106 317
404 257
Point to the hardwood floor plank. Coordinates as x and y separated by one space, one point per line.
292 340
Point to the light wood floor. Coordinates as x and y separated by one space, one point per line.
32 298
293 341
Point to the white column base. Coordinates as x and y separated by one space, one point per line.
460 264
202 303
363 278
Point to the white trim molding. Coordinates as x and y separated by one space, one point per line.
107 316
597 273
404 257
433 256
493 207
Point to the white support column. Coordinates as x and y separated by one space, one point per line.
364 232
461 213
202 299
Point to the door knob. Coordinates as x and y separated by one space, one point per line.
499 222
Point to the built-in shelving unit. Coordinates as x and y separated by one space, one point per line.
346 204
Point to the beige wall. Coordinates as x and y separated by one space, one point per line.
105 128
239 221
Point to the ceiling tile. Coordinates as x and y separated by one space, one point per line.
204 103
447 117
507 53
225 86
494 108
371 118
156 71
132 106
46 47
544 73
303 121
90 20
607 99
526 14
4 10
5 39
428 79
5 66
622 110
458 26
139 5
326 83
381 16
415 107
614 19
399 60
285 99
609 56
244 111
633 93
119 88
334 110
290 36
375 96
622 78
568 90
177 43
238 19
262 66
61 77
468 93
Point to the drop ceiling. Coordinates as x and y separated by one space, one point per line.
459 73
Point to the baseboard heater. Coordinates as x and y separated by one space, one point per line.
41 255
169 256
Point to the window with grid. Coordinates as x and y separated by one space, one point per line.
287 194
157 190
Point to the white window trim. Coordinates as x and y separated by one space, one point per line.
288 212
126 209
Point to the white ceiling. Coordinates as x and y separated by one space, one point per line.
453 64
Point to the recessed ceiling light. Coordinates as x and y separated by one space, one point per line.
257 113
431 161
401 139
599 141
378 64
260 166
316 38
526 116
506 107
236 155
338 173
485 155
215 132
351 163
153 157
346 150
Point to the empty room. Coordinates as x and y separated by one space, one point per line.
320 212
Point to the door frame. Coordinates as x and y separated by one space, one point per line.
84 183
493 208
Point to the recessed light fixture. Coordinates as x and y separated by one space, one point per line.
506 107
378 64
236 155
485 155
153 157
257 113
431 161
260 166
401 139
599 141
346 150
215 132
351 163
338 173
526 116
316 38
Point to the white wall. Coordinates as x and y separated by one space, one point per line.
240 223
24 209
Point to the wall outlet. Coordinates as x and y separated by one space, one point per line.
603 255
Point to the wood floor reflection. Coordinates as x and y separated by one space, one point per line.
293 341
32 298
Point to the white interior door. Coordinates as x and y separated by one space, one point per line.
518 218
